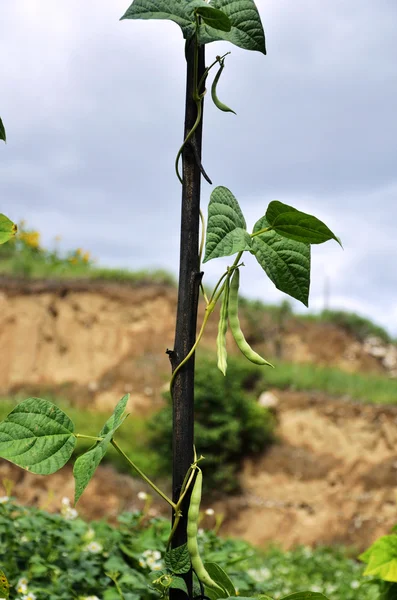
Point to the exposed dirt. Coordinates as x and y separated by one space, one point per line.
332 478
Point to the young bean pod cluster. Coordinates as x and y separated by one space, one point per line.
234 323
192 528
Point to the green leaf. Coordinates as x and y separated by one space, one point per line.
117 418
296 225
4 586
382 558
220 577
305 596
286 262
37 436
214 17
178 583
226 227
179 12
177 560
86 465
7 229
2 131
247 30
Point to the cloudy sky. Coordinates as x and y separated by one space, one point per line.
93 109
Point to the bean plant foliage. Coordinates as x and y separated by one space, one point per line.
40 437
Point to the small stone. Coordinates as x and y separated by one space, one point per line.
268 400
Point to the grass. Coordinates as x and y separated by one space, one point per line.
23 256
353 323
37 269
132 437
334 382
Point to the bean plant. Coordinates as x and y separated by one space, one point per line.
41 438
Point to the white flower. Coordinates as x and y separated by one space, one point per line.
22 581
4 499
355 584
29 596
24 539
22 588
259 575
65 501
90 598
94 547
210 512
151 558
200 532
69 513
142 495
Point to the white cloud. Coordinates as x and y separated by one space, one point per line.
94 114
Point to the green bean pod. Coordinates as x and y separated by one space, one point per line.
214 96
192 528
234 323
222 330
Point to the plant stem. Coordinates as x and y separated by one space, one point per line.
192 350
215 296
142 474
202 241
88 437
264 230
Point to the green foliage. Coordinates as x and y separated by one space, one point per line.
246 29
133 438
214 18
7 228
3 136
226 227
220 577
25 256
335 382
229 424
177 560
86 465
296 225
280 240
286 262
63 559
382 558
37 436
4 586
